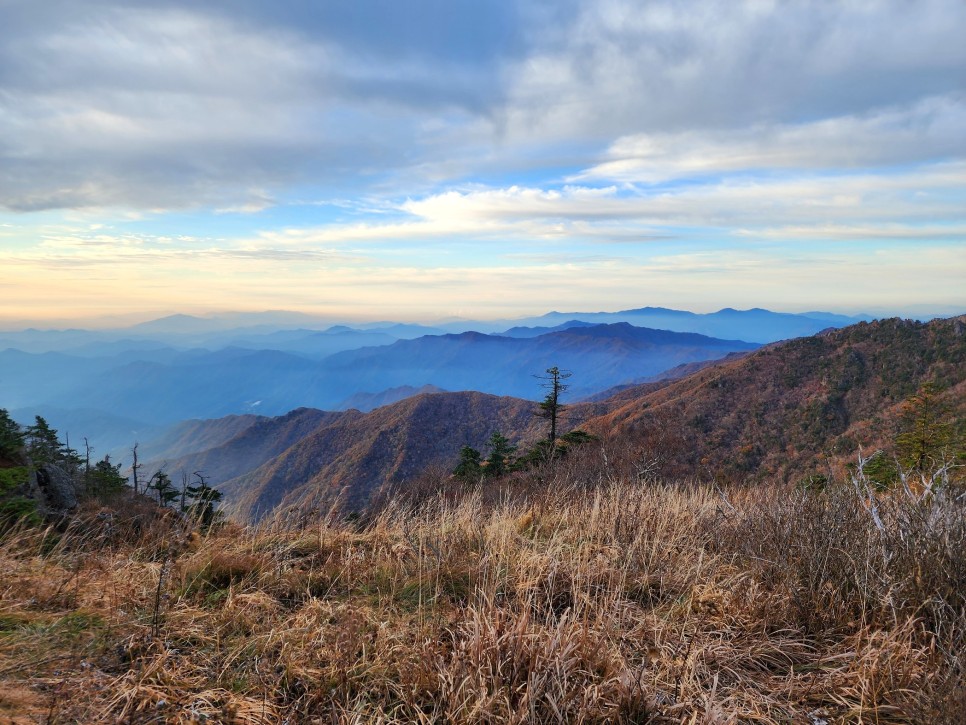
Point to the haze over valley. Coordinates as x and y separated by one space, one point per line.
278 414
118 387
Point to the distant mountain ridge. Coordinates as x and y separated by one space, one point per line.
215 330
369 401
599 356
788 410
522 331
754 325
172 385
116 385
260 440
311 458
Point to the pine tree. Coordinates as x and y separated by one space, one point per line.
470 464
42 443
69 458
551 407
927 432
11 437
203 500
499 461
163 488
105 478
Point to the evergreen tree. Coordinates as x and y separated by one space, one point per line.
203 499
927 432
42 443
545 451
881 470
577 438
470 464
163 488
105 478
499 461
551 407
11 437
69 458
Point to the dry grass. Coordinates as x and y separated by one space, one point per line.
598 603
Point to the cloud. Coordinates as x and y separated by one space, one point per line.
168 107
856 278
174 105
257 202
70 248
931 130
886 231
619 68
924 202
373 152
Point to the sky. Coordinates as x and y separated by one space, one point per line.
376 159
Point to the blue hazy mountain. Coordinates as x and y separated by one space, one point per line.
262 330
523 331
183 366
200 383
598 356
760 413
754 325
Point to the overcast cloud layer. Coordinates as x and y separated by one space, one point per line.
452 157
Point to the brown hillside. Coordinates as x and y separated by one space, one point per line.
794 408
790 410
344 462
193 436
262 439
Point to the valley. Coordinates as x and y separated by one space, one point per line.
792 412
116 387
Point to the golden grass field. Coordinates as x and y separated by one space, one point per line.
612 602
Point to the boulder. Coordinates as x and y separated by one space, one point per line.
58 494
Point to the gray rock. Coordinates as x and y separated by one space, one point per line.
56 489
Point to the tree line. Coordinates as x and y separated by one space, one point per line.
40 445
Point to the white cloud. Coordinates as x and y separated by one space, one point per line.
167 108
174 105
621 68
928 131
850 277
885 231
924 202
493 160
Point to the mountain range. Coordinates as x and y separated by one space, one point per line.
792 410
137 386
800 408
117 387
174 385
269 330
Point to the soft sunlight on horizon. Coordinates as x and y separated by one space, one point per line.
482 161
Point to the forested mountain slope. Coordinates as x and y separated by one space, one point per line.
229 455
791 410
796 408
345 462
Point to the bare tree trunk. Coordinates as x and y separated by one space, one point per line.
87 464
184 489
134 468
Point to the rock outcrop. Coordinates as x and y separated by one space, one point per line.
27 489
58 494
